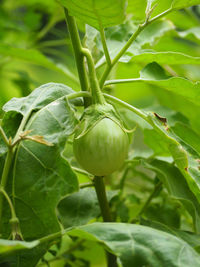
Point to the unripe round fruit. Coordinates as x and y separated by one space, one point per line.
103 149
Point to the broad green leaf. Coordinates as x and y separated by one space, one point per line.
40 97
183 160
11 250
139 245
188 136
34 57
177 187
41 175
189 237
169 58
186 164
21 254
90 36
96 13
8 246
162 5
137 9
10 124
176 93
192 31
80 207
184 3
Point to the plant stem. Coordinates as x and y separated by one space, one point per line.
12 210
102 198
140 28
46 28
14 221
6 167
78 94
120 54
52 237
128 106
84 185
105 48
105 211
4 177
77 47
94 83
97 96
81 171
156 190
159 16
5 139
118 81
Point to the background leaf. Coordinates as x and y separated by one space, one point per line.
97 13
184 3
34 57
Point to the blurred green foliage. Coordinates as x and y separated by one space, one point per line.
35 48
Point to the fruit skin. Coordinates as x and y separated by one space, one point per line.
103 149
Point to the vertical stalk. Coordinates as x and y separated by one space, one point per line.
105 211
102 198
4 137
16 232
97 95
105 48
77 47
4 178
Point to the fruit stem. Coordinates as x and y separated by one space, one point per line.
105 211
102 198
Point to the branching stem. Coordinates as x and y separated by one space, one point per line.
140 28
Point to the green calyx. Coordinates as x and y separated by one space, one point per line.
95 113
